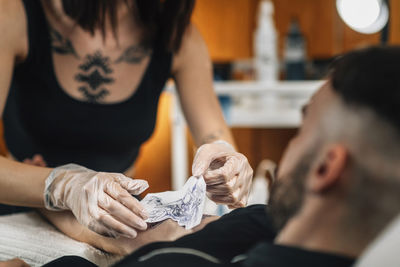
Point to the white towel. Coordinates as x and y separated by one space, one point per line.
28 237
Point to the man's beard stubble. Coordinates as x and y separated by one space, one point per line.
287 194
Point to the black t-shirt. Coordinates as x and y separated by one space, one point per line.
271 255
243 237
232 235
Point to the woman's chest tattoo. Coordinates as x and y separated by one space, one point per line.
95 73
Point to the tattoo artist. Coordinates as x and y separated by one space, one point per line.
80 83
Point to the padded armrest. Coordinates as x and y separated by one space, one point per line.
29 237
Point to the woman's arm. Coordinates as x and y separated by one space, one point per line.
227 173
20 184
192 70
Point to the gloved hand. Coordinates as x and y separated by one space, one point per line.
227 173
100 201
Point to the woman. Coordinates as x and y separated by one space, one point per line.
87 79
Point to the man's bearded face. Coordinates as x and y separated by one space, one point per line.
287 194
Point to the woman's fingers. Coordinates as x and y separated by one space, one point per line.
226 188
223 174
205 155
133 186
227 173
115 227
117 192
220 199
246 181
230 184
123 207
231 197
37 160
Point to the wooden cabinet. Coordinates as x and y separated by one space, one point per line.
326 34
228 26
394 28
318 23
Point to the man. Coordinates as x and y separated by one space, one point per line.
338 184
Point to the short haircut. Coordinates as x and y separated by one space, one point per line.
370 78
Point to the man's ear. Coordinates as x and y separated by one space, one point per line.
329 169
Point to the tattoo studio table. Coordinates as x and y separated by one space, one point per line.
245 104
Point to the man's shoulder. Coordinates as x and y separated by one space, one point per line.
258 209
255 215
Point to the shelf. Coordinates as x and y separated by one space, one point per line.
266 105
281 87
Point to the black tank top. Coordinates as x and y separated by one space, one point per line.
41 118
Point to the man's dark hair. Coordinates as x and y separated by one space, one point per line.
370 78
162 20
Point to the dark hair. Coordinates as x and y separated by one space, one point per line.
370 78
162 20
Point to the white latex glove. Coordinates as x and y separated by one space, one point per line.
227 173
100 201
